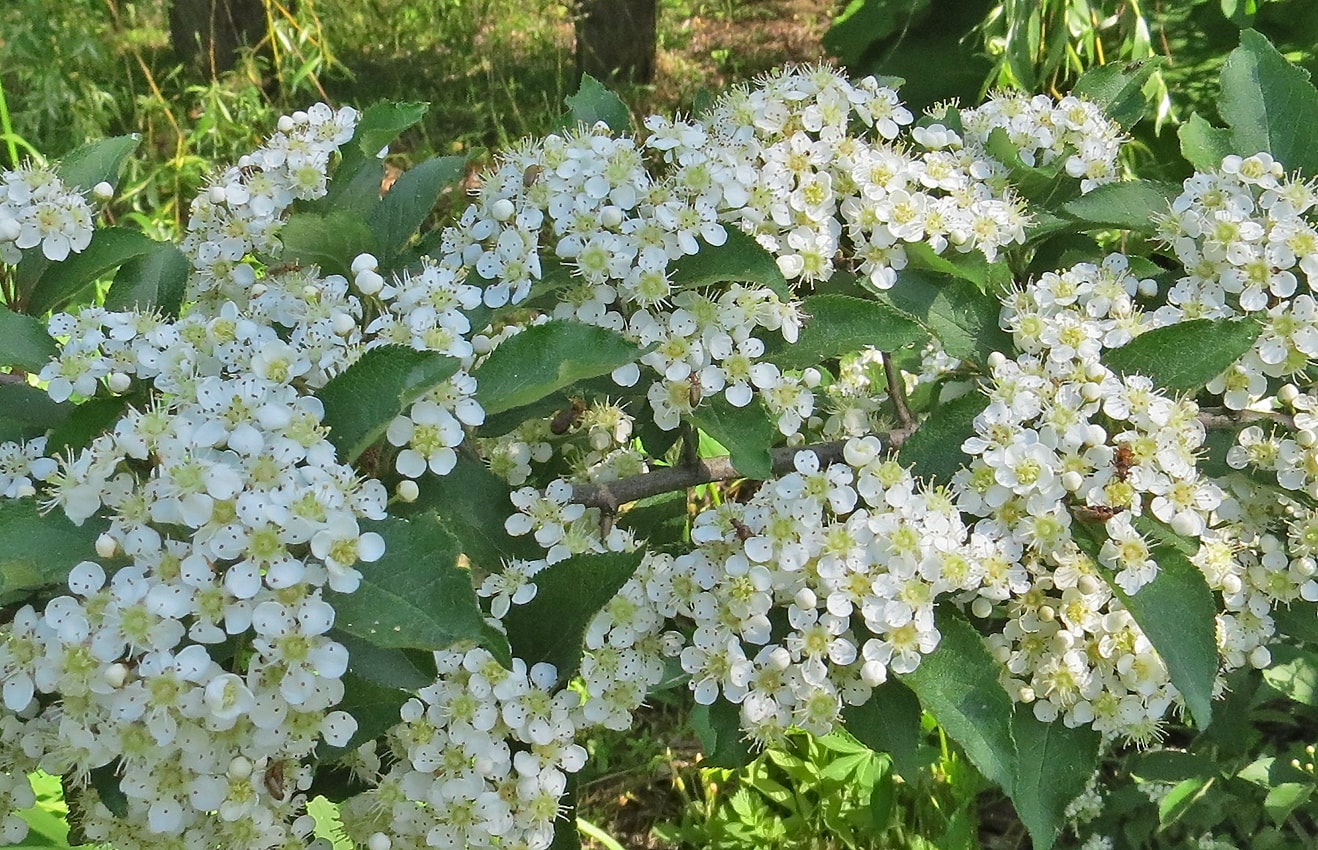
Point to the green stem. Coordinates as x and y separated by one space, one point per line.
594 833
7 128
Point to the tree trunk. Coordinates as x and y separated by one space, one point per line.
616 39
208 34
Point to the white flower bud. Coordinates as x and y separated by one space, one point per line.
1288 393
379 841
285 124
811 377
502 209
369 282
9 229
1148 287
258 289
1260 657
102 191
240 767
1090 392
407 490
480 344
1306 438
342 324
981 607
115 675
215 194
118 382
106 545
362 262
996 359
1072 480
611 216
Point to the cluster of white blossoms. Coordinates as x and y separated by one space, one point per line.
38 209
1043 130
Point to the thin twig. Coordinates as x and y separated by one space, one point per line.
897 391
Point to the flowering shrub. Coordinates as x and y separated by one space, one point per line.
311 503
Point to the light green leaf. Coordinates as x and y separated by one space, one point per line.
739 259
85 166
746 432
958 684
840 324
363 399
39 550
24 342
1181 798
546 358
594 103
934 450
409 202
1053 765
1118 88
1203 145
1286 798
153 280
718 726
330 241
973 266
381 123
551 626
416 596
1294 672
1269 104
1129 205
110 248
1185 356
963 318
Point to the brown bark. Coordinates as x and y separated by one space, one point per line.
616 39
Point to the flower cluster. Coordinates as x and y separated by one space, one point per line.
37 208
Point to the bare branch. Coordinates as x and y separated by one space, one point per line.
897 391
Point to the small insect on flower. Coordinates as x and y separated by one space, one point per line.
1096 513
283 268
696 389
531 174
274 779
1123 460
566 419
743 531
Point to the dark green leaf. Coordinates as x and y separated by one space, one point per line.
1269 104
102 160
416 596
889 722
1298 620
740 258
27 412
551 626
381 123
105 780
403 669
465 500
355 187
746 432
409 202
87 421
1203 145
1053 765
971 265
375 707
934 450
718 726
546 358
24 342
1118 88
963 318
110 248
958 684
154 280
864 23
363 399
594 103
1185 356
1045 184
839 324
1172 766
1130 205
38 550
1294 673
330 241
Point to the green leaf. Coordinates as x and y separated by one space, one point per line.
1178 801
1053 765
594 103
330 241
551 626
363 399
38 550
963 318
110 248
934 450
465 500
355 186
970 265
1203 145
1118 88
1269 104
105 780
1178 615
547 358
718 726
740 259
27 412
889 722
390 668
746 432
1298 620
87 421
1130 205
1286 798
375 707
24 342
1185 356
381 123
409 202
840 324
1172 766
1294 673
864 23
416 596
958 684
153 280
85 166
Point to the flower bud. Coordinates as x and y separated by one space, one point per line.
379 841
981 607
363 262
106 546
369 282
407 490
102 191
502 210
